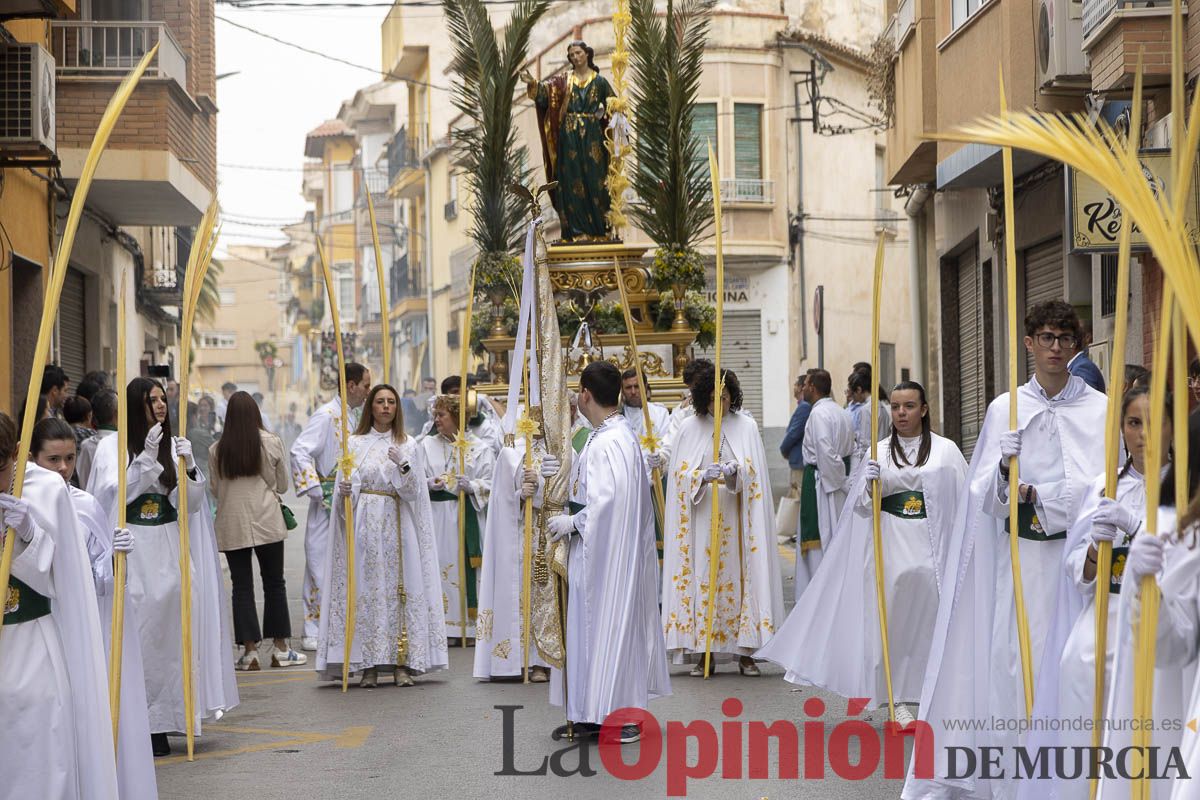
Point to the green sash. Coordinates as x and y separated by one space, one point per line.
810 527
579 439
23 603
474 549
327 491
150 510
1030 527
905 505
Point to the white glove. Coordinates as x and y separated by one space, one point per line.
655 460
1102 532
15 513
1010 444
183 449
154 438
712 472
550 466
872 470
345 487
463 484
1145 557
1113 514
561 526
528 485
436 484
397 458
122 540
729 469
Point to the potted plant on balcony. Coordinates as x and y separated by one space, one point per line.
486 150
672 176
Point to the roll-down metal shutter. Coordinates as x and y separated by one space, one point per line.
1043 280
741 351
971 378
72 328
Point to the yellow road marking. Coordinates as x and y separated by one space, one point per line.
348 738
308 676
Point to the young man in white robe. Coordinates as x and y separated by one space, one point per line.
616 657
500 646
56 736
459 553
748 602
974 668
314 456
832 639
54 448
154 585
862 405
828 444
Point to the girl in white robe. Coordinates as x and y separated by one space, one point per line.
56 736
54 448
832 639
499 646
154 585
445 481
399 625
748 605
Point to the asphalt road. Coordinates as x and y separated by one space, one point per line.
294 737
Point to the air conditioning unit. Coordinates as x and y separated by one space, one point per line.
1158 135
1061 65
27 100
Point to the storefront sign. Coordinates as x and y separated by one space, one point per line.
1094 219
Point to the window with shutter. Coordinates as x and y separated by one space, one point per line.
704 130
747 141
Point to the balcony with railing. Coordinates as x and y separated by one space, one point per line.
404 152
160 165
377 178
1114 31
742 190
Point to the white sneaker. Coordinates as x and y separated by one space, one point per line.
288 658
248 662
904 717
309 643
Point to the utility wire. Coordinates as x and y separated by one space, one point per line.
326 56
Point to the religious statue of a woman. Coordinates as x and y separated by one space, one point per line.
572 119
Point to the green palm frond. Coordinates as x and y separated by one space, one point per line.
672 176
486 75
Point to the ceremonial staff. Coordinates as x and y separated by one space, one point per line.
120 559
385 330
1014 479
527 427
199 260
718 390
462 446
58 274
876 499
345 464
650 440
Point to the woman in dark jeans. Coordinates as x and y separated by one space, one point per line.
249 473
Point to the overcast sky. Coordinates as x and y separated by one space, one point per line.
278 94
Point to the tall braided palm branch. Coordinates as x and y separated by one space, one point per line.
672 177
485 67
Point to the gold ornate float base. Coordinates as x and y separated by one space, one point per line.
584 275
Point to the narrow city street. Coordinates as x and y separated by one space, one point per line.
294 736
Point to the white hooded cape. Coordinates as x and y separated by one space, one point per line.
973 669
153 591
831 639
55 747
615 652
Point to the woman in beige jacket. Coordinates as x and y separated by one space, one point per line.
249 472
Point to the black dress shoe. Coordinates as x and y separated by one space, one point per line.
160 745
580 730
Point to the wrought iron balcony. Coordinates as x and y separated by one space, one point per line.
104 49
741 190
